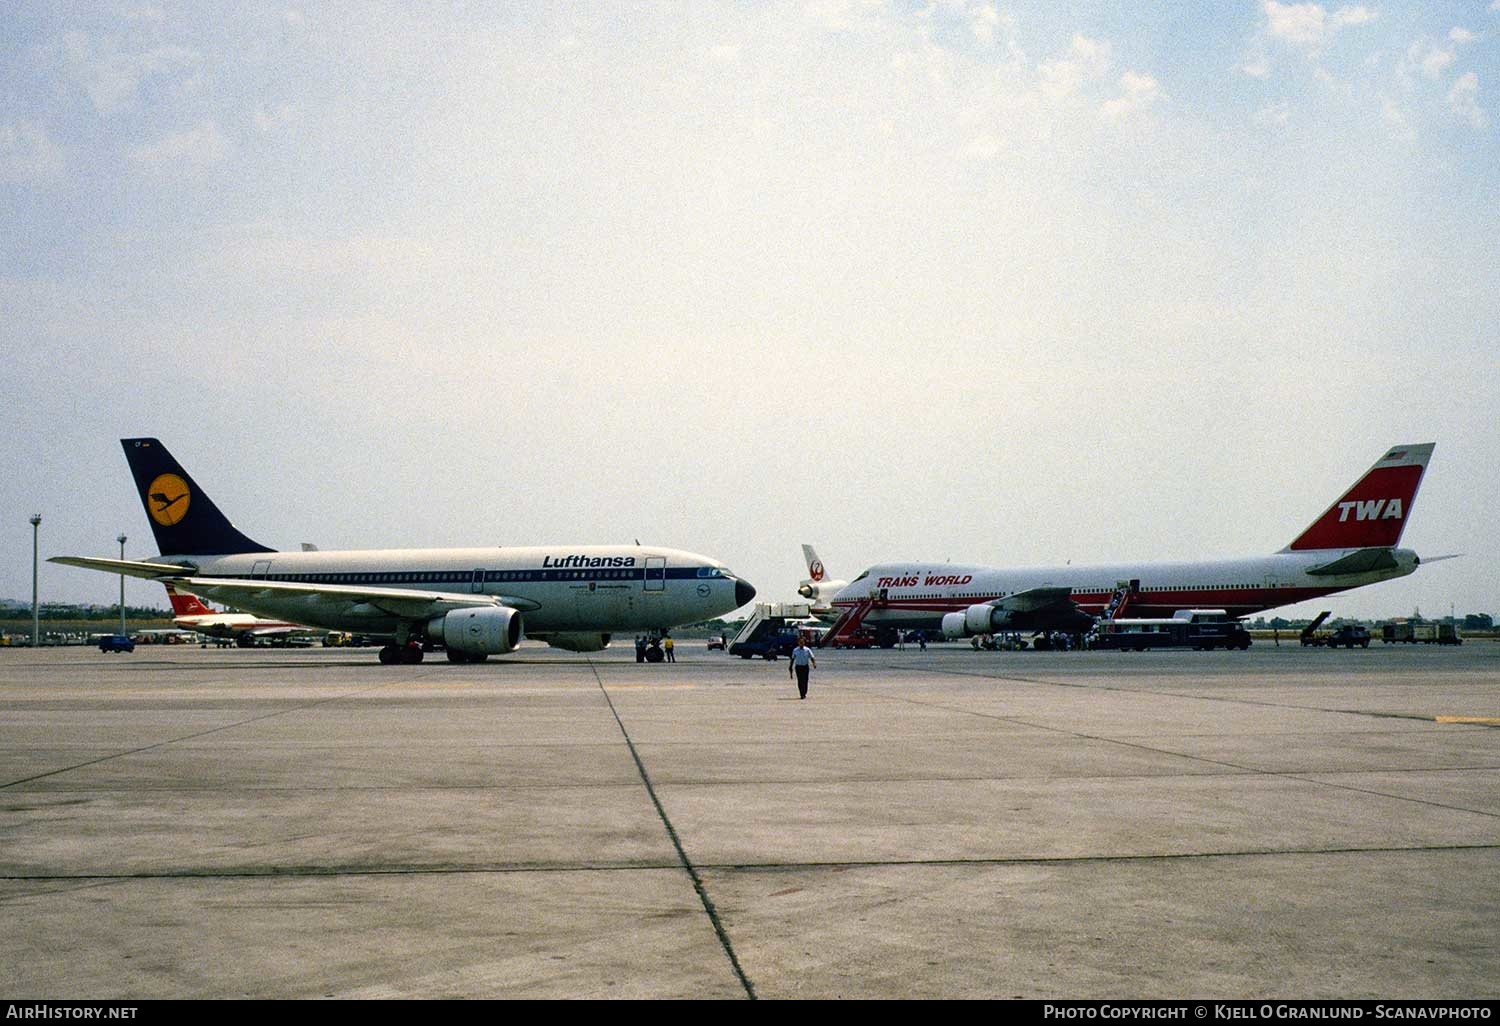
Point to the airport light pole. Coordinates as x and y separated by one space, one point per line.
121 540
36 619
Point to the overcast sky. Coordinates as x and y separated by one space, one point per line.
1002 283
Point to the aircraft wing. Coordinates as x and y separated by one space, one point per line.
405 603
1034 599
1049 608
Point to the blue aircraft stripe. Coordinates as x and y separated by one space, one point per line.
438 578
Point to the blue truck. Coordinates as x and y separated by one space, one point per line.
768 644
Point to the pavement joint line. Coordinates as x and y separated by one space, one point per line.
687 864
968 778
202 733
756 867
1298 776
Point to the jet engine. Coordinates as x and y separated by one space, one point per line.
481 631
579 642
982 618
821 590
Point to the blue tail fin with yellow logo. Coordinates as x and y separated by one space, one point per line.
185 520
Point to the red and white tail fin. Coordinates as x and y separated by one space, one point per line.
1373 513
815 569
186 605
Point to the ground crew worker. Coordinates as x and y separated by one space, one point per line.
801 663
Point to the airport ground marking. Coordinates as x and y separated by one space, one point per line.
275 872
687 864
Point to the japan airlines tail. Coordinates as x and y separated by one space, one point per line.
1352 544
818 589
474 602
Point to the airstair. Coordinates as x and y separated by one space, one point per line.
769 616
846 626
1124 592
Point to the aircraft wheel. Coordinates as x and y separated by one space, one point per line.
457 657
389 655
411 654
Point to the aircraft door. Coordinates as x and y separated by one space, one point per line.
656 573
261 569
477 587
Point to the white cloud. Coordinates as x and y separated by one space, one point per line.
1088 60
1139 93
839 15
194 149
112 79
1429 57
1276 114
1463 98
1360 15
1396 121
1461 35
28 154
724 53
1310 26
984 20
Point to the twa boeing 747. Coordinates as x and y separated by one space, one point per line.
1352 544
474 602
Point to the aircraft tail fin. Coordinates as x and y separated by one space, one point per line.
184 519
1373 512
184 604
815 569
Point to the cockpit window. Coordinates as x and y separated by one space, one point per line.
713 571
860 577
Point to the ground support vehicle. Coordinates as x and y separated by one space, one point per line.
1198 629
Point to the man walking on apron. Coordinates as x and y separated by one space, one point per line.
801 664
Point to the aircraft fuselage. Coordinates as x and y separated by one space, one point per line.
557 588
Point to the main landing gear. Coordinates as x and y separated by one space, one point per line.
464 657
407 654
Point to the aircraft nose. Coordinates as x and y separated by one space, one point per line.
744 592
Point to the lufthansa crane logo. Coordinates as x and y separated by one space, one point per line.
168 499
815 569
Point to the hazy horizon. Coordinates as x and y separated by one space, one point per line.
1000 283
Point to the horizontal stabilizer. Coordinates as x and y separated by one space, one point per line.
128 567
1362 562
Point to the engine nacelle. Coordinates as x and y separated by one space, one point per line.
483 630
579 642
982 618
824 590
